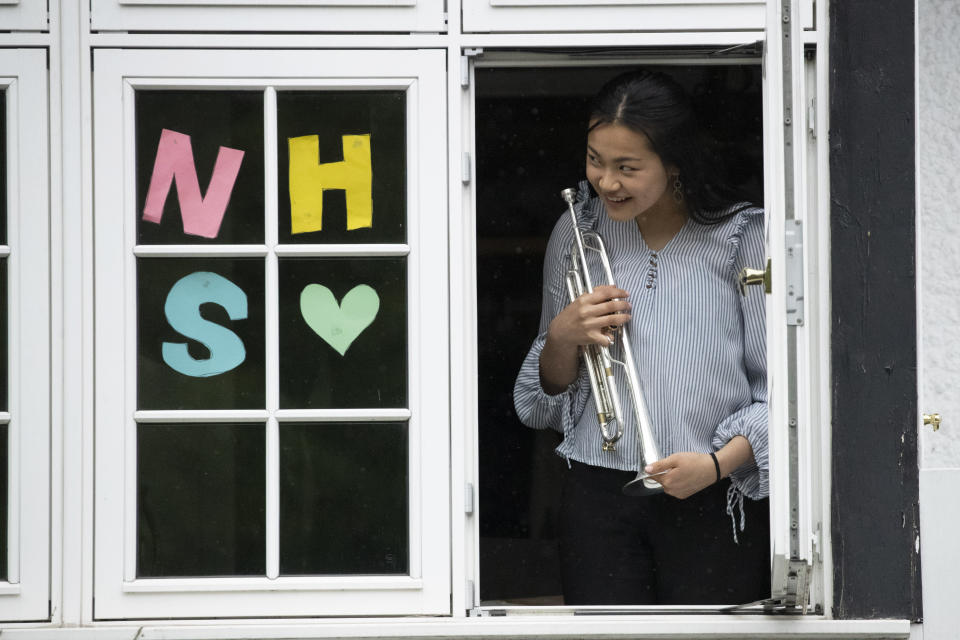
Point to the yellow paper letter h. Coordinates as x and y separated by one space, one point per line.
308 181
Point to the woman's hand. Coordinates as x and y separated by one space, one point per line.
587 320
584 321
685 473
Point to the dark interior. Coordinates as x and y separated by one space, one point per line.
530 137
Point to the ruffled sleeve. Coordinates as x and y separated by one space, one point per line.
534 406
538 409
747 250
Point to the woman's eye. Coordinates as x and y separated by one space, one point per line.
592 159
627 169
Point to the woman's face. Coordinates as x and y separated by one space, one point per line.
628 176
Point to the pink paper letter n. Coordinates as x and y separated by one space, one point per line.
201 215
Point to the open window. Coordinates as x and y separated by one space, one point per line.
271 434
24 337
530 124
528 119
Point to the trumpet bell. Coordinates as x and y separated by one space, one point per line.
642 485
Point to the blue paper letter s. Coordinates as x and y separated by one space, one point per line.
182 309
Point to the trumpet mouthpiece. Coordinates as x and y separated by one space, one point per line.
570 195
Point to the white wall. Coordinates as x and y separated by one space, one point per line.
938 162
939 256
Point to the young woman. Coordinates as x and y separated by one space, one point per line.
677 240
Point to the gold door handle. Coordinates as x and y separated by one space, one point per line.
750 276
932 419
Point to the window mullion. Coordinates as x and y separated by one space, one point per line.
272 338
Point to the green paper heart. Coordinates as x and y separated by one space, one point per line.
339 324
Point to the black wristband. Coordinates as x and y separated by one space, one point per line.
716 464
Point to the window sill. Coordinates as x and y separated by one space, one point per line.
554 627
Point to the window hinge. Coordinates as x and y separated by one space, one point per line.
817 543
790 584
472 610
793 272
465 168
468 498
465 65
812 119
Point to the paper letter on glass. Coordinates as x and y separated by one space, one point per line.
308 181
201 215
182 309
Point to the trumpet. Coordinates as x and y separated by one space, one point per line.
600 363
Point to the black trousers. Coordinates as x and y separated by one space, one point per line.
617 550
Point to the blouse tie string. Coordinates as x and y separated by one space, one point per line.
735 499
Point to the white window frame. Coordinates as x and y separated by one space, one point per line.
24 15
619 15
76 599
118 594
258 15
807 374
795 482
25 595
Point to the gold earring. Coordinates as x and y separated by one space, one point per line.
677 189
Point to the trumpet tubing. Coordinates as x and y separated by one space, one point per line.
601 365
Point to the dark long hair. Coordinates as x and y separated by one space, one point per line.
655 105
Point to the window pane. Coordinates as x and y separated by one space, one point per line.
343 333
212 142
4 520
343 499
200 325
347 171
4 345
200 500
3 167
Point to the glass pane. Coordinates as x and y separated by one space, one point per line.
200 500
342 172
4 521
200 326
4 345
199 167
343 499
3 167
343 333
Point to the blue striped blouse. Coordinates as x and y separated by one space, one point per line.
698 344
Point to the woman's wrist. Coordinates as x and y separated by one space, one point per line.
734 455
716 465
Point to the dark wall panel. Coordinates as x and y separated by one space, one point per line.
874 352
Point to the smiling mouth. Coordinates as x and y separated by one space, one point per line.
616 200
